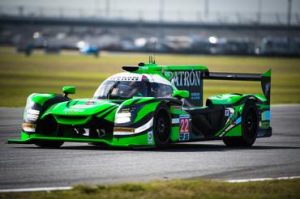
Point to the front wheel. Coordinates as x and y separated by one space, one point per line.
250 123
49 127
162 128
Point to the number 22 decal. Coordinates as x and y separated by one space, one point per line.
184 125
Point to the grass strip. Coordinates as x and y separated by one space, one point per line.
20 75
276 189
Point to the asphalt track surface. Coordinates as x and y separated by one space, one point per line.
27 166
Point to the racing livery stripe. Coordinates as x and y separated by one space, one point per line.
145 119
142 102
146 126
105 112
138 102
243 100
230 127
124 134
138 130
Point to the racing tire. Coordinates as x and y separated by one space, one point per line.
162 127
249 124
49 126
49 144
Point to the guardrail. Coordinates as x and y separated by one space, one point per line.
148 15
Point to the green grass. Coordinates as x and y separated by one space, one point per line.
175 189
21 75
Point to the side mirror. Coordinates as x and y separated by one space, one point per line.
68 90
181 94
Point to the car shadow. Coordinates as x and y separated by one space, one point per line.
215 147
179 148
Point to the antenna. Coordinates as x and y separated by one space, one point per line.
151 59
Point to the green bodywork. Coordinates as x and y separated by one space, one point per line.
81 112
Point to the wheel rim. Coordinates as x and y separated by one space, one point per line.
251 124
162 129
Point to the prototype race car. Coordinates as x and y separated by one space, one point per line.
150 105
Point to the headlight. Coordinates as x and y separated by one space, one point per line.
30 112
29 127
123 117
31 115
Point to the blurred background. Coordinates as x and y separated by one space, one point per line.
231 27
45 44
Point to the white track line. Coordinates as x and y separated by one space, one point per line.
69 188
35 189
261 179
284 105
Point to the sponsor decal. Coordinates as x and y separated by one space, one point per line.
227 112
150 137
196 96
266 116
175 120
124 129
184 128
188 80
185 78
126 78
90 102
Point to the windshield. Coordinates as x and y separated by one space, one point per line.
161 90
121 90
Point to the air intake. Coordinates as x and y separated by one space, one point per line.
130 68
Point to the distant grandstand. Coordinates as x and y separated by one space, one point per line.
229 33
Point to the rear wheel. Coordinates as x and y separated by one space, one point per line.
249 127
162 127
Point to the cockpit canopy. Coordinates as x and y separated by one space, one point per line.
128 85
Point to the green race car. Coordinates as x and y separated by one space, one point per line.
150 105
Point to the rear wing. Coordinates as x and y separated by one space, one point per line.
264 78
191 78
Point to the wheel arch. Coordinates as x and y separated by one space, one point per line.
249 115
144 108
42 102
